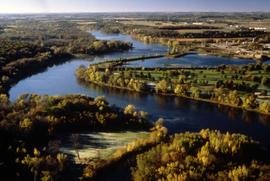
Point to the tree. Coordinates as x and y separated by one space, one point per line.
4 99
182 79
250 101
130 109
195 92
205 156
239 173
26 124
162 86
264 107
219 94
265 81
234 99
180 90
76 144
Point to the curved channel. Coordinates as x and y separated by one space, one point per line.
179 114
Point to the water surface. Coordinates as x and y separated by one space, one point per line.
190 60
180 114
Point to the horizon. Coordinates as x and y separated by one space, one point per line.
130 12
139 6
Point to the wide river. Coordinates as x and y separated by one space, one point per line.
179 114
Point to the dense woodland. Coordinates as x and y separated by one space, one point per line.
207 155
28 46
29 126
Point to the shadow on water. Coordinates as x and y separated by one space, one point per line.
180 114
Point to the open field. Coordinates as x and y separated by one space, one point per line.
99 145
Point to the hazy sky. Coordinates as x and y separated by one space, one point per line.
41 6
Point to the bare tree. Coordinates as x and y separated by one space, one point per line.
76 143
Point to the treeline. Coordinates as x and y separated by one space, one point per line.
107 78
263 38
207 155
233 86
157 33
148 31
188 27
29 46
29 124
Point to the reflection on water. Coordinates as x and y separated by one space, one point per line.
180 114
114 92
267 62
139 49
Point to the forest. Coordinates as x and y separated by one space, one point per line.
29 127
32 46
207 155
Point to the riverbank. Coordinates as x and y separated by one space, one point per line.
33 68
175 95
25 67
229 54
238 44
217 86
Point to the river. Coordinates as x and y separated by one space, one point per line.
179 114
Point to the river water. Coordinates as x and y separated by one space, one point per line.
179 114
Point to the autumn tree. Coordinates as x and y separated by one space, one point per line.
250 101
162 86
195 92
180 90
264 107
234 99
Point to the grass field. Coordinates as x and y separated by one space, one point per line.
98 145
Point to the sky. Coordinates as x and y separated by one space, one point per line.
66 6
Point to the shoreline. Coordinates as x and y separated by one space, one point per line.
40 67
175 95
221 52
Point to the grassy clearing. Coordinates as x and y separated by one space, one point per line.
99 145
